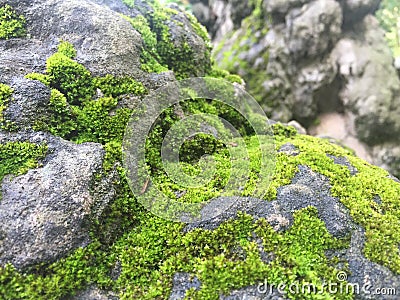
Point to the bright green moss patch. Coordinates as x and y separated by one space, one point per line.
67 49
12 25
113 86
18 157
74 113
70 78
149 57
357 193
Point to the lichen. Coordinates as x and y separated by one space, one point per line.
12 25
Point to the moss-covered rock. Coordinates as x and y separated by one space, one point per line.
84 232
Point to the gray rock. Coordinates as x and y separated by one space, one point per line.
388 157
306 189
311 30
367 275
372 87
356 10
46 212
93 293
105 42
183 282
30 100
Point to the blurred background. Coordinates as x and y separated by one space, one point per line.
331 66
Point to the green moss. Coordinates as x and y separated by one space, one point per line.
73 113
12 25
70 78
5 97
62 120
67 49
43 78
18 157
113 86
149 57
161 51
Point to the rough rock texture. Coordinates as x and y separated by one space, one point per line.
46 212
312 58
105 41
30 100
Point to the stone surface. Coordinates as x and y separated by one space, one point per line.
46 212
30 100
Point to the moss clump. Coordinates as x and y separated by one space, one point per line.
73 113
5 97
18 157
112 86
160 52
70 78
149 57
12 25
61 121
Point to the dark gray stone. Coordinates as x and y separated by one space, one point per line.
46 213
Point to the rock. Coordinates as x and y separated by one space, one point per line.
388 156
102 52
93 293
221 16
312 29
105 41
372 87
46 212
356 10
30 99
300 129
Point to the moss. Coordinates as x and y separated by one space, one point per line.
18 157
73 113
161 51
70 78
67 49
149 57
12 25
5 97
113 86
